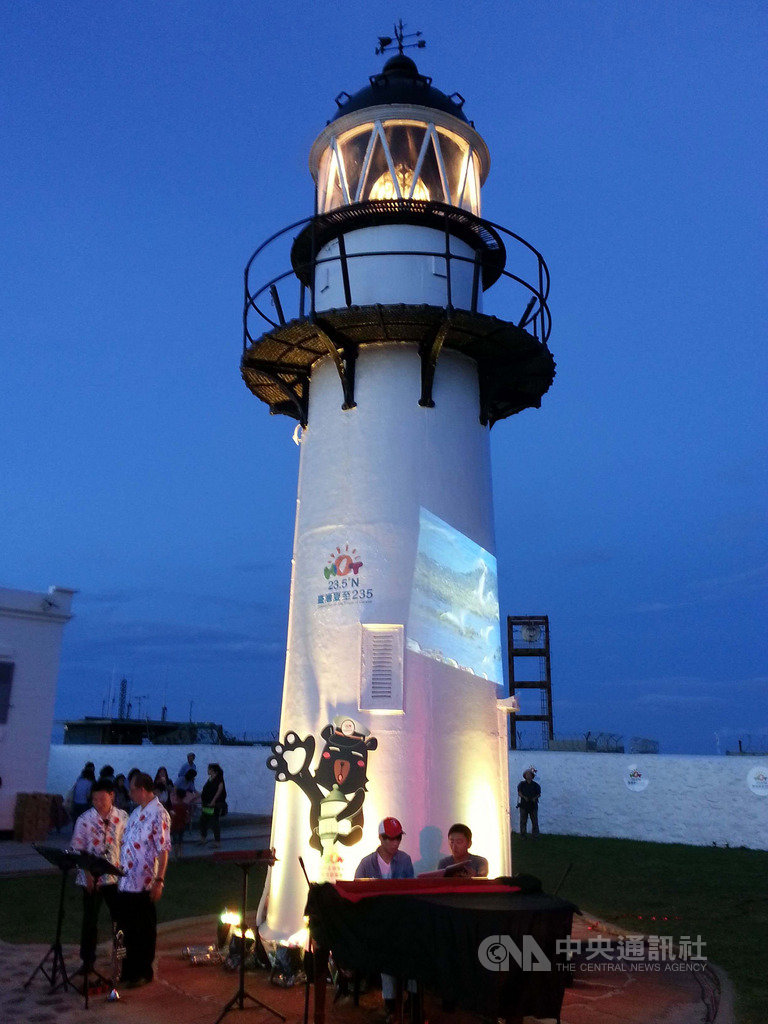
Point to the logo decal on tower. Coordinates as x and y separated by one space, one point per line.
342 572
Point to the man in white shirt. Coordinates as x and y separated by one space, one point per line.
144 859
99 830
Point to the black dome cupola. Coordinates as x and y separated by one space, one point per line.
400 82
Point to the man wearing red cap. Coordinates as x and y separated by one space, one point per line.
389 861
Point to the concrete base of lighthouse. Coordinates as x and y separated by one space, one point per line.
372 480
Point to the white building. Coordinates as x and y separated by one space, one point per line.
31 628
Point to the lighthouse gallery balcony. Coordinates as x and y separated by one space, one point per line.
310 294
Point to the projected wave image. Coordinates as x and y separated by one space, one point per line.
454 610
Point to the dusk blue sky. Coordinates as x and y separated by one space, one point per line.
149 147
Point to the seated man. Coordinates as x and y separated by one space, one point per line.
461 861
388 861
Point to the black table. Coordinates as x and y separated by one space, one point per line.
436 937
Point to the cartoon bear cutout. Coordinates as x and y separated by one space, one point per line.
343 764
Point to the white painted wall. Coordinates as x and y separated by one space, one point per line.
396 279
31 628
687 799
250 785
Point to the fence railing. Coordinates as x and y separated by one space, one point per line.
278 289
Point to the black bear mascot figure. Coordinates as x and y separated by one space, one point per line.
343 763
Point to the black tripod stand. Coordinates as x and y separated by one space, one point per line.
245 860
58 978
65 861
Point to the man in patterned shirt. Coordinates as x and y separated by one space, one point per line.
144 859
99 830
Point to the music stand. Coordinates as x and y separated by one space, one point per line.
245 860
65 861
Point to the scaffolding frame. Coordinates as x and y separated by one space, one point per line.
528 637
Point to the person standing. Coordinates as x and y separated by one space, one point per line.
122 800
98 830
163 787
81 791
189 763
213 795
180 818
144 859
528 793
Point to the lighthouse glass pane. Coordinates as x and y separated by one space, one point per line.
454 610
404 141
329 191
461 168
353 149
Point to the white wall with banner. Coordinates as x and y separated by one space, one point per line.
662 798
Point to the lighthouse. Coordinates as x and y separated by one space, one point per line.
365 323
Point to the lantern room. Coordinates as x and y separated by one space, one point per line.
399 138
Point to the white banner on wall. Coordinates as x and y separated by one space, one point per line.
757 780
634 779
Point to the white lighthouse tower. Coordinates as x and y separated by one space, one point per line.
370 332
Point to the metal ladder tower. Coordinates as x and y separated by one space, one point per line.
528 637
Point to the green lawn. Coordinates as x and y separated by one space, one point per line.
29 903
666 889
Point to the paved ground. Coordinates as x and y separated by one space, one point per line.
185 994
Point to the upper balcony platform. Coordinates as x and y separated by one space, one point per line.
397 272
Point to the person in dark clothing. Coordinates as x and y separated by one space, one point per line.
461 861
213 795
528 793
81 791
122 799
163 787
180 818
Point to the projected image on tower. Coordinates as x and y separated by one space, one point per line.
454 611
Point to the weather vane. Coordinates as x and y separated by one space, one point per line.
387 43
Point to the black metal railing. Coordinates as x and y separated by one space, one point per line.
298 297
